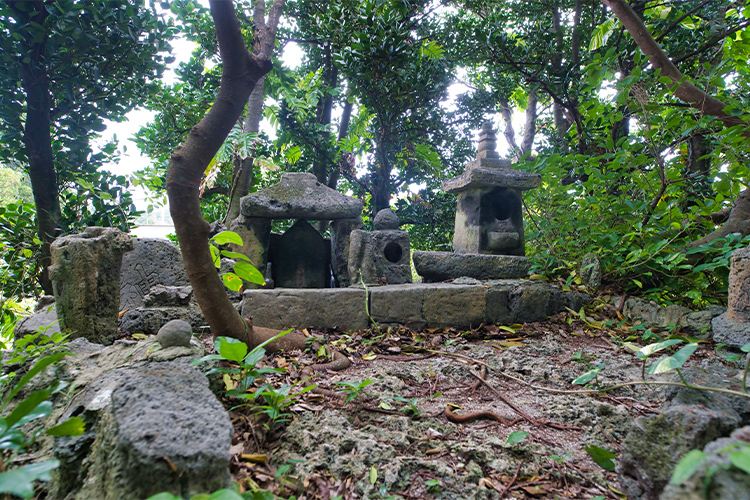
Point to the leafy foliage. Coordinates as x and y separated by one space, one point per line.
14 440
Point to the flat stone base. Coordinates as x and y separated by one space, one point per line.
415 305
441 266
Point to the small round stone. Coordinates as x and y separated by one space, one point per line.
175 333
386 219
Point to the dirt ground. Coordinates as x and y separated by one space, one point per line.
394 438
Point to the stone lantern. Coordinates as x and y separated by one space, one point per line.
488 241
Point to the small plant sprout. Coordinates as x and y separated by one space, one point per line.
352 389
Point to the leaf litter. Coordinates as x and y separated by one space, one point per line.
394 439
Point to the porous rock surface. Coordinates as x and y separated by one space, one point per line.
152 423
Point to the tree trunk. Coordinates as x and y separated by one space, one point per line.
38 140
739 217
241 72
264 40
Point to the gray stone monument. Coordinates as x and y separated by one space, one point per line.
152 262
85 276
733 327
383 256
488 241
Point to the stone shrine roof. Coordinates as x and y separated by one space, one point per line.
299 195
479 177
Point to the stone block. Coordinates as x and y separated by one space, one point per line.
440 266
153 261
398 304
380 257
44 319
462 306
340 243
497 310
284 308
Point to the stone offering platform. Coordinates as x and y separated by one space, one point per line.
464 303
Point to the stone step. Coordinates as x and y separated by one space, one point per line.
461 304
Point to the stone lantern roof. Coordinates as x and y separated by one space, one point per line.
300 196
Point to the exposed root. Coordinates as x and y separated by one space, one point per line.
470 417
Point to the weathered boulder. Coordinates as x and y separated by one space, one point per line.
85 275
44 318
150 428
692 419
149 320
591 271
726 482
168 296
650 314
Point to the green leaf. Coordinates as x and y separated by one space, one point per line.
650 349
741 458
225 494
745 348
674 361
164 496
231 349
248 272
234 255
373 474
516 437
35 370
601 34
74 426
215 256
29 409
589 375
225 237
687 466
20 481
232 281
602 457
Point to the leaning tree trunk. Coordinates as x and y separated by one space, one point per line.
739 217
241 71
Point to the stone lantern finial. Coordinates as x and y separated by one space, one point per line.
487 142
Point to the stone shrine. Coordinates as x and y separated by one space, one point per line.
488 241
298 196
383 256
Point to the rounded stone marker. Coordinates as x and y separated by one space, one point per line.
386 219
176 333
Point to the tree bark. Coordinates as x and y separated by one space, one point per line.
241 72
38 140
739 216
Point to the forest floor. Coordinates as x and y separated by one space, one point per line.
445 413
